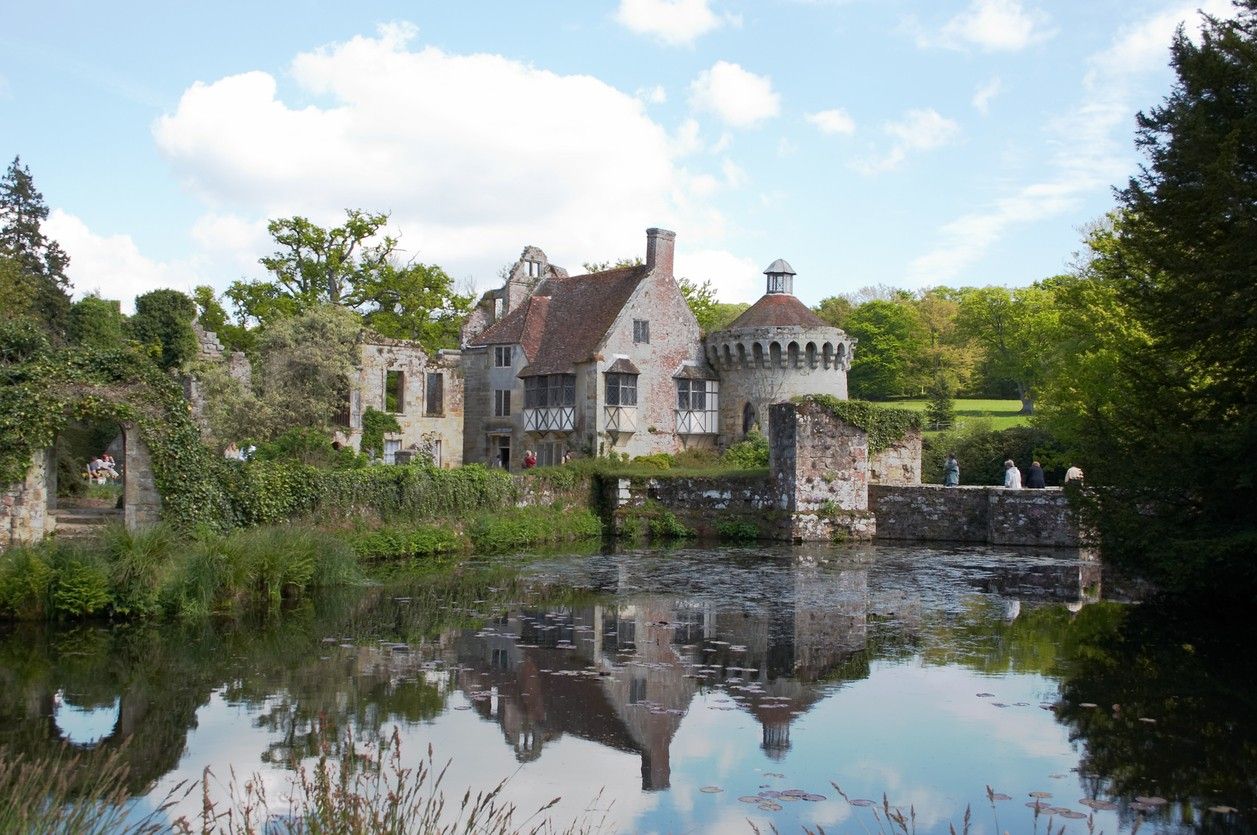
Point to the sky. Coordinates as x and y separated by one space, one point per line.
867 142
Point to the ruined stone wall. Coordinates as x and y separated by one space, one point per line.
477 404
141 500
989 515
24 515
419 429
900 463
704 505
819 467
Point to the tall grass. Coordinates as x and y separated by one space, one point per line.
151 572
531 526
367 788
72 792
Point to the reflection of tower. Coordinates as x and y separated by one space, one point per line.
776 740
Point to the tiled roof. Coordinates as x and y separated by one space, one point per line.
776 310
623 365
562 323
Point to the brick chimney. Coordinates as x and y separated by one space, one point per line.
660 244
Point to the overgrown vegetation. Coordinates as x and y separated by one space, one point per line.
532 526
155 573
374 425
884 425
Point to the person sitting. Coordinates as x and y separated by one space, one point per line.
107 467
951 471
1034 477
93 471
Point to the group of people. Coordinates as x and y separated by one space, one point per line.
1035 479
102 468
235 453
530 458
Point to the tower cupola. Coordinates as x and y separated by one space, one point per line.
780 277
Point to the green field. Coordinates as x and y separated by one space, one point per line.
1002 414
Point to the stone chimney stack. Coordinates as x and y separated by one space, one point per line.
660 244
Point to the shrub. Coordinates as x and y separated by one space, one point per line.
404 543
982 451
530 526
656 461
26 577
80 584
311 447
139 562
737 531
748 454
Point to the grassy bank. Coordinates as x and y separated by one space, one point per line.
994 414
157 573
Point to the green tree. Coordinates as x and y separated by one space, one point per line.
835 310
315 265
306 361
702 301
1163 401
212 316
417 302
888 356
1016 329
41 262
163 323
97 323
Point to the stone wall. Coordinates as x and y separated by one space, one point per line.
24 515
899 463
141 501
707 506
990 515
820 473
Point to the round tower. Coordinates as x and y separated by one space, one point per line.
777 349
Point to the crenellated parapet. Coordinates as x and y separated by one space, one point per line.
781 347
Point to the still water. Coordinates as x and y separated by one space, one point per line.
700 690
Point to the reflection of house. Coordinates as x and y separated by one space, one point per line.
625 676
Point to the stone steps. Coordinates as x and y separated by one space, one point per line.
79 522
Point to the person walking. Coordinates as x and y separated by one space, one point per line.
951 471
1012 475
1034 477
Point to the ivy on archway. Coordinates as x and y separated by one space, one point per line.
40 394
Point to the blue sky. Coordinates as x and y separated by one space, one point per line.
899 143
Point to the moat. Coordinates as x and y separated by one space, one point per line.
694 690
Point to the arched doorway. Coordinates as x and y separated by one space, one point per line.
749 420
87 477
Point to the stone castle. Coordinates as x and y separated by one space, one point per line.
609 362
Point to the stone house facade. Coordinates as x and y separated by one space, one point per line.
615 362
589 365
425 395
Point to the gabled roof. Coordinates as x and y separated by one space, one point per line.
563 322
776 310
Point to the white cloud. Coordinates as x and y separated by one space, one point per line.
237 242
785 148
735 176
990 25
653 95
734 278
740 98
674 22
1092 146
981 100
918 130
835 121
473 155
112 264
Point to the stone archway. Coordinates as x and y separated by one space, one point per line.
26 507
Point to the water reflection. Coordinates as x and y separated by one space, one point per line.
863 666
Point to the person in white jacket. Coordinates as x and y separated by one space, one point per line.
1012 475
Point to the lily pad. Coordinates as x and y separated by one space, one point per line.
770 806
749 798
1000 796
1152 801
1040 794
860 801
1223 810
1072 815
816 798
711 789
